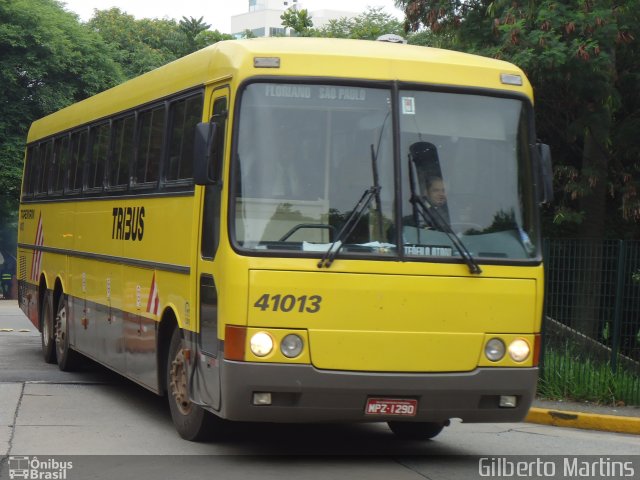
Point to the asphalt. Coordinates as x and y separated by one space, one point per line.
584 415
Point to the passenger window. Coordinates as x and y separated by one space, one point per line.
28 185
76 160
60 164
98 158
185 115
122 155
150 146
46 159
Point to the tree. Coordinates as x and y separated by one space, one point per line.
297 20
47 61
145 44
138 45
369 25
192 31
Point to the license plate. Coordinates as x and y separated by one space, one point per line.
391 406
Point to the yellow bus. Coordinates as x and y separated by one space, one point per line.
296 230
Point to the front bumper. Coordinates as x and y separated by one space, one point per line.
302 393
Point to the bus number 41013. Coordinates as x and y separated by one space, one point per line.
289 303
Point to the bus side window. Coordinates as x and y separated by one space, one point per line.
98 156
46 159
122 153
184 116
60 164
150 140
76 161
30 170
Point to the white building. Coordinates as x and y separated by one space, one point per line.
263 17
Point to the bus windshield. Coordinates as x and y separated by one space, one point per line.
307 155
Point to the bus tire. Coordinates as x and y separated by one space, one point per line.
190 420
68 359
416 430
46 329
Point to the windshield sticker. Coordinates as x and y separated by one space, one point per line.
408 106
424 251
337 94
287 91
343 93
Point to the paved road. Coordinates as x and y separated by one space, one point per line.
101 416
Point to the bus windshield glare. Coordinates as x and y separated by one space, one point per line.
306 156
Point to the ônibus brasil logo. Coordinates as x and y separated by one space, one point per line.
33 468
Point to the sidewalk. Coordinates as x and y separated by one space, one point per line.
625 419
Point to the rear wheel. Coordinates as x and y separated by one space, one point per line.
191 421
416 430
68 359
46 330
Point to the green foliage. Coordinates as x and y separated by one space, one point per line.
248 34
568 375
369 25
196 35
142 45
297 20
8 224
138 45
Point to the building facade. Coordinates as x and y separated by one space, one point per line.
263 17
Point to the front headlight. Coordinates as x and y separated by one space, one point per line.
494 349
519 350
261 344
291 346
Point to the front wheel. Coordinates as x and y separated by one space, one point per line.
191 421
416 430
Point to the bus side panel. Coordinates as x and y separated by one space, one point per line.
27 291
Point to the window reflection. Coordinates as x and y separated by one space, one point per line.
305 158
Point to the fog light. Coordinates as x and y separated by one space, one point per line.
494 349
261 398
508 401
261 344
291 346
519 350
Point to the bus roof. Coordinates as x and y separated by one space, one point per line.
310 57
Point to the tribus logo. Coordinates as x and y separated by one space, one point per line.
38 469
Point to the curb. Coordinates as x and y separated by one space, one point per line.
587 421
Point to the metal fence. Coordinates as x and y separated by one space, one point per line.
591 346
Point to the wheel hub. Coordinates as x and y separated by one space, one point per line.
179 388
61 328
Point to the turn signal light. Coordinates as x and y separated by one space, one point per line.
234 342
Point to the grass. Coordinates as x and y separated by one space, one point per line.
571 375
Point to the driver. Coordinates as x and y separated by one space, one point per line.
436 196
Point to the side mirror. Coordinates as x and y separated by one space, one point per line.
545 173
205 158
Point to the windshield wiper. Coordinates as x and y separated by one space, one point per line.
348 226
431 215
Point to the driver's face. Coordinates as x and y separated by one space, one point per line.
436 194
